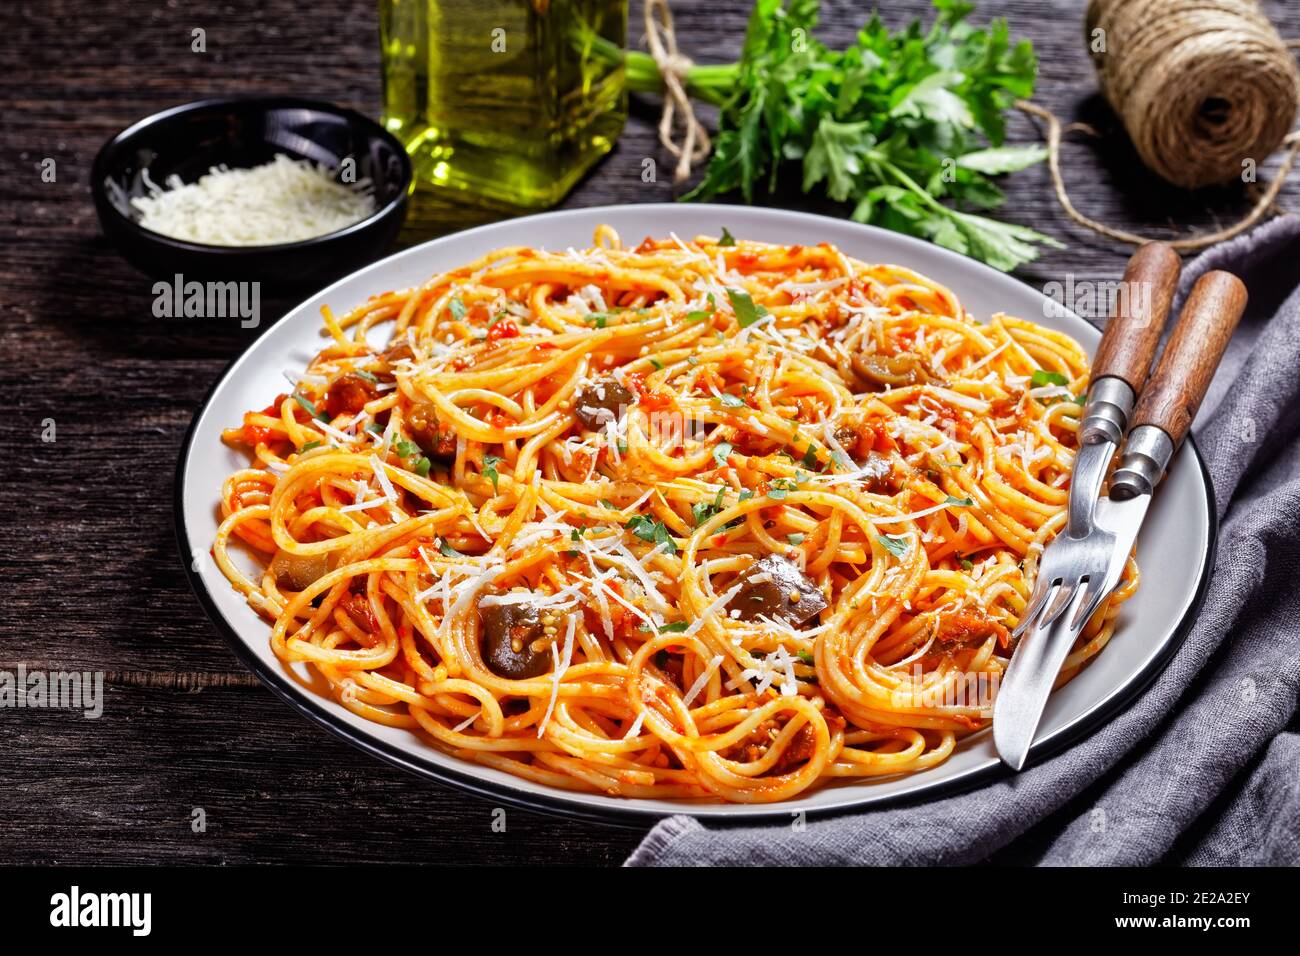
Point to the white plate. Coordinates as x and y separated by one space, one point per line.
1175 550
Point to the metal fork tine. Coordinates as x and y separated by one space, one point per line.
1088 606
1062 600
1042 588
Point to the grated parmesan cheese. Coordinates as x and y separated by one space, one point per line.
285 200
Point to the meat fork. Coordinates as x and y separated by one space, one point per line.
1080 572
1118 374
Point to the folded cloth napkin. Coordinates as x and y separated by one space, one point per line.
1202 768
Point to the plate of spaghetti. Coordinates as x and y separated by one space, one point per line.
655 509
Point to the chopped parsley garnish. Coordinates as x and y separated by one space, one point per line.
781 487
497 318
422 467
456 308
659 366
747 313
699 315
720 453
368 376
897 546
966 564
405 449
598 319
448 551
702 511
490 463
795 537
308 447
731 401
810 459
311 409
673 627
652 530
1041 377
807 657
959 502
727 238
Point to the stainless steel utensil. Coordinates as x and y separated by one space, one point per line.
1079 573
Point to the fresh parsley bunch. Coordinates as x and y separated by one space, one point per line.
907 126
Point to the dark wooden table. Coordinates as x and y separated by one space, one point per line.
92 579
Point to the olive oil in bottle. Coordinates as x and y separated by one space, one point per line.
502 100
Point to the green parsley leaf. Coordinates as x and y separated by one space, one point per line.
959 502
897 546
1042 377
456 308
727 238
422 467
731 401
308 447
702 511
1002 159
368 376
490 463
747 313
720 452
966 564
781 487
405 449
672 627
807 657
795 537
311 409
445 547
652 530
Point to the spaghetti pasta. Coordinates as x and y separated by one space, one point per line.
713 519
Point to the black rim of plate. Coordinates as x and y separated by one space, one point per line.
639 817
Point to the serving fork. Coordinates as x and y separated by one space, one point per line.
1120 370
1078 571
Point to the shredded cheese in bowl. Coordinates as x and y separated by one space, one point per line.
285 200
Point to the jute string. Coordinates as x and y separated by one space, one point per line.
1203 87
662 43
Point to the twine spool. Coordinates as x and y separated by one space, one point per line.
1202 86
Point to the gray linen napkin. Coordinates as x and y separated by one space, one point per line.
1202 768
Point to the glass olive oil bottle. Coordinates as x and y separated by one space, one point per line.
502 100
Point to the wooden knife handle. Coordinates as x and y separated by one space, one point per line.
1174 393
1133 332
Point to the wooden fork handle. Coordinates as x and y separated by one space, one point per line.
1183 373
1142 307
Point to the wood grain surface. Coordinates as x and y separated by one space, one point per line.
91 572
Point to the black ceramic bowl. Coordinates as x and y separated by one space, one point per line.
188 140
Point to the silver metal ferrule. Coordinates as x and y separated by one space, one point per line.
1110 403
1146 456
